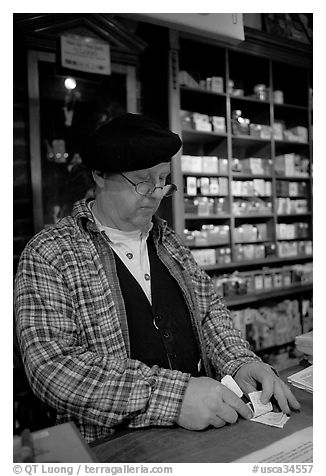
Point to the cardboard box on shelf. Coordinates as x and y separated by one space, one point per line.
268 277
205 206
223 167
256 165
217 84
214 186
191 185
204 257
266 132
278 129
204 186
210 164
255 130
201 122
300 133
218 123
191 164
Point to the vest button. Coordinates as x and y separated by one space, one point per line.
147 277
130 255
166 334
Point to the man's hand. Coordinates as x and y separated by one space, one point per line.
252 373
208 402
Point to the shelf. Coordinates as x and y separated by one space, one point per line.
293 197
256 242
236 175
295 107
193 216
293 239
204 174
186 195
265 295
290 142
249 99
257 263
216 245
289 215
186 89
194 136
251 196
294 177
253 215
249 140
247 70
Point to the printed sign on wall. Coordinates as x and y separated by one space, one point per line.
85 54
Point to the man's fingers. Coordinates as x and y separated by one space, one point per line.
226 413
285 398
281 398
267 389
281 392
231 399
217 422
292 400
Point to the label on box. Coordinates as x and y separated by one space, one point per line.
191 185
204 185
186 163
259 284
213 186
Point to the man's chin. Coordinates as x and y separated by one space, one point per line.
144 220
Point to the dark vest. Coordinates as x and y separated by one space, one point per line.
160 334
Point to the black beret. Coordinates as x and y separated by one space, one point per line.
130 142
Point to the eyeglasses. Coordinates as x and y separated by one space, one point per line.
146 189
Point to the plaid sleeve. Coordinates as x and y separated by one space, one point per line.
92 387
225 348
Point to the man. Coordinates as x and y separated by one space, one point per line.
117 324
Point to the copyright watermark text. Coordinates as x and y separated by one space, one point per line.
81 469
285 469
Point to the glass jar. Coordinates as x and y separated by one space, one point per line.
240 125
260 92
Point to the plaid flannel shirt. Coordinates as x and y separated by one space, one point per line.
73 332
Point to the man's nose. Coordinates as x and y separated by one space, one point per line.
157 193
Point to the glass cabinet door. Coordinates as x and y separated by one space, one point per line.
63 110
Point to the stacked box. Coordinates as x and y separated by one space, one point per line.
218 123
210 164
217 84
204 257
185 79
278 129
201 122
223 167
297 134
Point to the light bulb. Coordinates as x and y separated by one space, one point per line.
70 83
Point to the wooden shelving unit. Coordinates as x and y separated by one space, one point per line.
263 296
258 60
203 59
